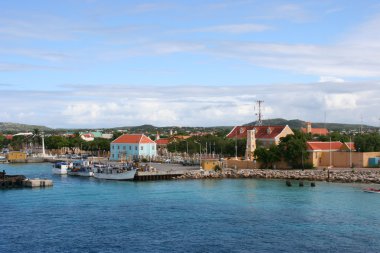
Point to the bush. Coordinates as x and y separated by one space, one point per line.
144 160
217 168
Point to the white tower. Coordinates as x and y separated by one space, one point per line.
251 144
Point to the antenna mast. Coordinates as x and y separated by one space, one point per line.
259 114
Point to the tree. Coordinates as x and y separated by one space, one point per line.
367 142
294 149
268 157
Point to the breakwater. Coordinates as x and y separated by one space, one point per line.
342 176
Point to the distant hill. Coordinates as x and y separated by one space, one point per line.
16 127
297 124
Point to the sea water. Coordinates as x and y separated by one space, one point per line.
230 215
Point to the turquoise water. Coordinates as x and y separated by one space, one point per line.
88 215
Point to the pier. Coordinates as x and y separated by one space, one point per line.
158 175
20 181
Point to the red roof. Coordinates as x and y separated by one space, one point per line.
324 146
164 141
319 131
133 138
262 132
350 145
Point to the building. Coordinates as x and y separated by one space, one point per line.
335 153
16 156
314 131
87 137
132 147
266 135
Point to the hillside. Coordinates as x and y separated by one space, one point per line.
297 124
7 127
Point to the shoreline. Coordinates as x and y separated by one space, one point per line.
368 176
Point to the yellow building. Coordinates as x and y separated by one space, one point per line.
16 156
211 164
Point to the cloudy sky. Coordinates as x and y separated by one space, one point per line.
108 63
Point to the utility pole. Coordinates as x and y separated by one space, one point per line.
259 114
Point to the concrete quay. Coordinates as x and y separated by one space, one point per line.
36 182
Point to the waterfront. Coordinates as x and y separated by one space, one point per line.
230 215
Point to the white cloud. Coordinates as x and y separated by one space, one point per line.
233 28
123 105
330 79
341 101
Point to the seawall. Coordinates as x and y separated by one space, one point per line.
343 176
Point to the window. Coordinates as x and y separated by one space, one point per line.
152 147
118 147
142 147
130 147
113 146
136 148
113 156
124 147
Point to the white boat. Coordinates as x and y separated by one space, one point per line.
81 168
371 190
60 168
114 173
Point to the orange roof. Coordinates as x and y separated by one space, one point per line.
262 132
350 145
319 131
163 141
324 146
133 138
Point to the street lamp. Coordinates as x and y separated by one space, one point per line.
200 154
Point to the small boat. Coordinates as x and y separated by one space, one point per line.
60 168
114 173
371 190
81 168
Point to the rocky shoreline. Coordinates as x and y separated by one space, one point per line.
342 176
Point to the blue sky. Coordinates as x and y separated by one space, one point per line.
98 63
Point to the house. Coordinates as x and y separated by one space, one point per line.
266 135
335 153
132 146
87 137
314 131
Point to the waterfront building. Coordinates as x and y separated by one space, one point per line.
314 131
132 146
17 156
267 135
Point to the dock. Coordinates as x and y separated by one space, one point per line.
20 181
158 175
36 182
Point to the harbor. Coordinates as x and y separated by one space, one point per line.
177 213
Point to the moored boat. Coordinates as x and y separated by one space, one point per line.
81 168
60 168
114 173
371 190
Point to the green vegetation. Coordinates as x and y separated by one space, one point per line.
367 142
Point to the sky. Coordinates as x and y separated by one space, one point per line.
110 63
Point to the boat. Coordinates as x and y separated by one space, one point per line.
371 190
60 168
114 172
81 168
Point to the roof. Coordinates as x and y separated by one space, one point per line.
163 141
323 146
349 146
262 132
319 131
133 138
